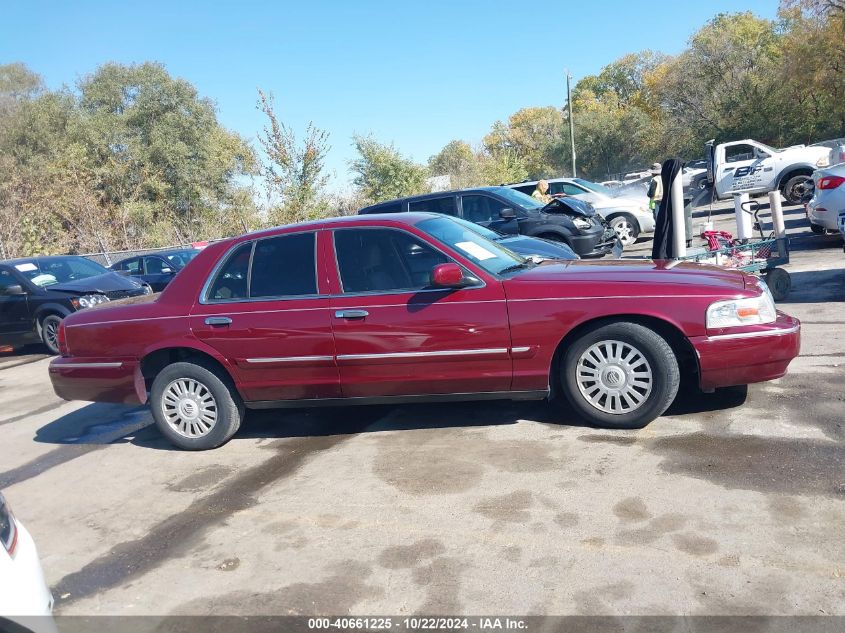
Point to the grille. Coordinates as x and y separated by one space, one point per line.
122 294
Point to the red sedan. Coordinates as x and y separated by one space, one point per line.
416 307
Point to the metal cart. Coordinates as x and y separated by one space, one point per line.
760 256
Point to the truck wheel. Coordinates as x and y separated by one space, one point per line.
779 282
793 190
194 407
627 228
49 327
620 376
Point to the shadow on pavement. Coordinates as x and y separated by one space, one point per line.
97 425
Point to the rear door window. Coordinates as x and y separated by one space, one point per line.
284 266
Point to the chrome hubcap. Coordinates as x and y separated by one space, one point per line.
624 231
614 377
189 407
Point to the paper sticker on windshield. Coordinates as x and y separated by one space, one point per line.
25 268
479 252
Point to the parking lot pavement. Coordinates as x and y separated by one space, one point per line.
718 507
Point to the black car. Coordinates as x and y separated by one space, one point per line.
156 269
536 248
36 293
504 210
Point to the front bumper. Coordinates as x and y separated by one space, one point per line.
755 355
23 591
98 380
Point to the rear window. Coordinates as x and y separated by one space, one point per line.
445 205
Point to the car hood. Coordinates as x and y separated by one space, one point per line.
536 246
108 282
629 271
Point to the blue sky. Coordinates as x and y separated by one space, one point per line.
418 74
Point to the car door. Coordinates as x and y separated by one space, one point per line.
486 210
264 310
158 272
398 336
741 170
15 316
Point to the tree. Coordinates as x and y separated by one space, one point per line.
295 171
133 157
534 137
382 173
458 161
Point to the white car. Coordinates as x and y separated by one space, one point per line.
828 200
627 213
23 592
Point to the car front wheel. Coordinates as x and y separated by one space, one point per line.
627 229
50 332
194 406
620 375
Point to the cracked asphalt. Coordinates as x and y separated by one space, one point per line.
725 505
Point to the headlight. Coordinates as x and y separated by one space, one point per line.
737 312
581 223
8 529
88 301
824 161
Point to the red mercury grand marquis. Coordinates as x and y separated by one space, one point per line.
416 307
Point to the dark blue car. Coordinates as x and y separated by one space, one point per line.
156 269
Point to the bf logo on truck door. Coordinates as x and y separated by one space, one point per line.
747 171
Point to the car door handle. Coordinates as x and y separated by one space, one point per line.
351 314
218 320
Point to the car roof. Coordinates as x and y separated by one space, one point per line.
41 258
433 194
534 182
346 220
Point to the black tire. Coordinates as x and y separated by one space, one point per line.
227 404
779 282
818 230
625 225
702 183
660 360
49 330
793 190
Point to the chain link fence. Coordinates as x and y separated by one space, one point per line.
107 258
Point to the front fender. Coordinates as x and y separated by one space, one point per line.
51 308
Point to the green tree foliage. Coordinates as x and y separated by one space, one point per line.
132 157
294 175
382 173
532 136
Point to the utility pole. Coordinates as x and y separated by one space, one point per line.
571 122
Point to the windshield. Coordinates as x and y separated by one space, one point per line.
491 256
522 200
181 258
55 270
594 186
483 231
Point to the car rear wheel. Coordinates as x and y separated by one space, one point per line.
621 375
626 227
818 230
49 327
194 406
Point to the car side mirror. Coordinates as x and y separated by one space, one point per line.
14 290
507 213
448 276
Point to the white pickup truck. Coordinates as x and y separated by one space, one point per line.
752 167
